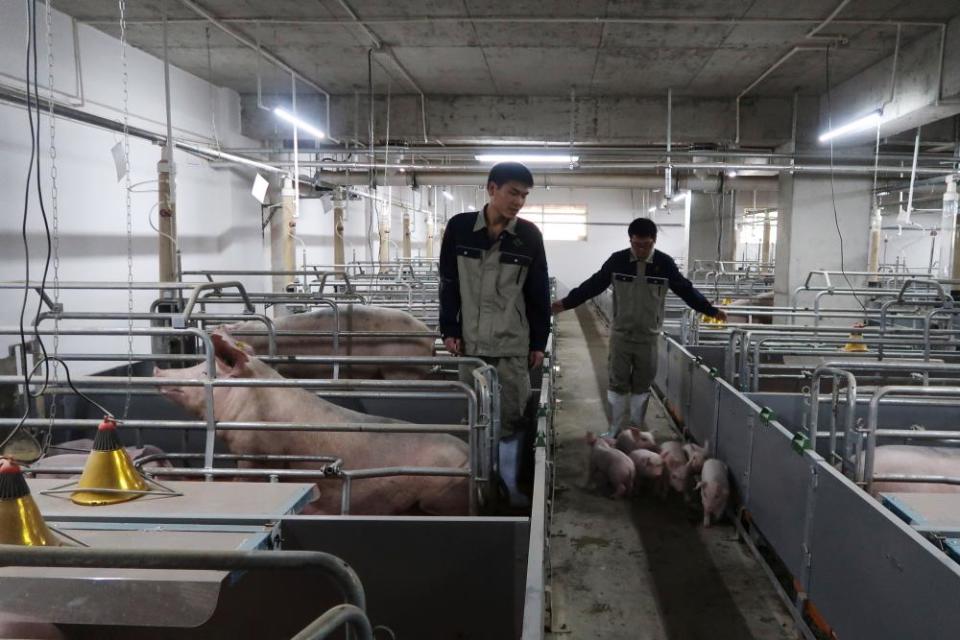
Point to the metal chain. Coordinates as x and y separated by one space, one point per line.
127 192
54 203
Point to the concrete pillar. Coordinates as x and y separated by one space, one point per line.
711 225
283 226
166 239
339 206
406 234
807 238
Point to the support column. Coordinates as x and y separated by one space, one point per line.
383 227
283 226
711 224
339 207
406 234
166 244
807 238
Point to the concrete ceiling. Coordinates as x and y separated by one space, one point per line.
463 47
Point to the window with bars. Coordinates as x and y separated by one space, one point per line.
558 221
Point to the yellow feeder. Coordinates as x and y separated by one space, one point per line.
856 344
108 467
20 519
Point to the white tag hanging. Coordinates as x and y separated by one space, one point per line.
119 160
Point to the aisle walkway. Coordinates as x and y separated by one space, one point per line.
640 569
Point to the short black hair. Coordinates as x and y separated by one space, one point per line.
643 228
504 172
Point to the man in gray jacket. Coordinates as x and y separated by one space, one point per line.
494 288
640 277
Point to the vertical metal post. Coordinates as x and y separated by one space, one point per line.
166 247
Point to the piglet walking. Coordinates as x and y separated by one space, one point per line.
610 465
714 489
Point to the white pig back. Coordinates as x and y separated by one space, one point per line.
896 459
353 318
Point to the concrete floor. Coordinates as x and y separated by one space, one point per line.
643 568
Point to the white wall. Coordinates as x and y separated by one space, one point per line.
609 213
219 222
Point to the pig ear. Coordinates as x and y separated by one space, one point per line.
227 350
635 430
699 486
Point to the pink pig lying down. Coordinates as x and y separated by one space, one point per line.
633 438
904 459
714 490
353 318
609 465
390 495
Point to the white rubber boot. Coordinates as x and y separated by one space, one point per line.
638 409
618 411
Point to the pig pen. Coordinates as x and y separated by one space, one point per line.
840 559
483 576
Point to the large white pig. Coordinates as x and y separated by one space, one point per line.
903 459
714 488
390 495
353 318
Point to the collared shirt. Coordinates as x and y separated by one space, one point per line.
659 265
494 292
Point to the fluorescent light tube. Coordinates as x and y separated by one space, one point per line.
869 121
309 128
447 195
532 158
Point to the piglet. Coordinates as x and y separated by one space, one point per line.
677 470
610 464
714 489
633 438
648 465
696 456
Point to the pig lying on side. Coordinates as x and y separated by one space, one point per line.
610 465
389 495
903 459
633 438
353 318
714 489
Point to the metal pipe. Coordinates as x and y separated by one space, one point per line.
833 14
224 425
851 418
333 567
335 618
873 415
536 20
242 39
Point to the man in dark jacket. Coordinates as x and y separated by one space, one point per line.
494 289
639 276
